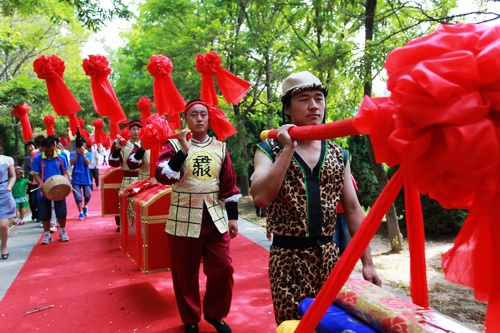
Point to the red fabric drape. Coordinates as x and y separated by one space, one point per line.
232 87
144 104
21 111
73 123
103 95
83 132
51 69
64 140
99 134
114 130
49 122
168 101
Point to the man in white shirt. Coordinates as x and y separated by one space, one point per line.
94 166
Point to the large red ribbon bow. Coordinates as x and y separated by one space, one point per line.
168 100
232 87
103 95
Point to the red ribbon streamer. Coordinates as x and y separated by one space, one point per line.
168 100
232 87
21 111
51 69
416 245
73 123
103 95
49 122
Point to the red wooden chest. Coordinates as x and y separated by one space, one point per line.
146 239
111 181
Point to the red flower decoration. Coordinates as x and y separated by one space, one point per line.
96 66
168 100
103 95
21 111
208 63
144 104
49 122
159 66
233 88
51 69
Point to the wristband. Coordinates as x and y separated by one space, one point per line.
232 210
116 153
176 162
139 154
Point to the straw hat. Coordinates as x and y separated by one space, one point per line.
301 81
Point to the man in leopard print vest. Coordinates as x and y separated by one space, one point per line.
301 183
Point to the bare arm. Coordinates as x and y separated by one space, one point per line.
268 176
354 215
12 178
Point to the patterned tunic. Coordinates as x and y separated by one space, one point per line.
131 175
206 178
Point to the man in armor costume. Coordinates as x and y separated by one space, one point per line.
301 183
203 183
131 158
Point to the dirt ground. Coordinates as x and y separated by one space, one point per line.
450 299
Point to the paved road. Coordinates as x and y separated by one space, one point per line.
23 238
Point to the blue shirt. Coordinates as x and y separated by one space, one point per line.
51 166
81 172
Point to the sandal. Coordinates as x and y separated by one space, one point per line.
5 256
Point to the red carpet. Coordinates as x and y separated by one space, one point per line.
94 287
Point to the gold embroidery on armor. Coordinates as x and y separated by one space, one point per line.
202 165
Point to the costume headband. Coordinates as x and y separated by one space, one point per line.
217 120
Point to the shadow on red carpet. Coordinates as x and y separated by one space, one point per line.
94 287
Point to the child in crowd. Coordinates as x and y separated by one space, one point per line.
19 194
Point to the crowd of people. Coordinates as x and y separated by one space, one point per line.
45 157
296 185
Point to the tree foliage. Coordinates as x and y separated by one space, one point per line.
261 41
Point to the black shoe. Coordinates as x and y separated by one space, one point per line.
118 229
220 327
191 329
5 256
